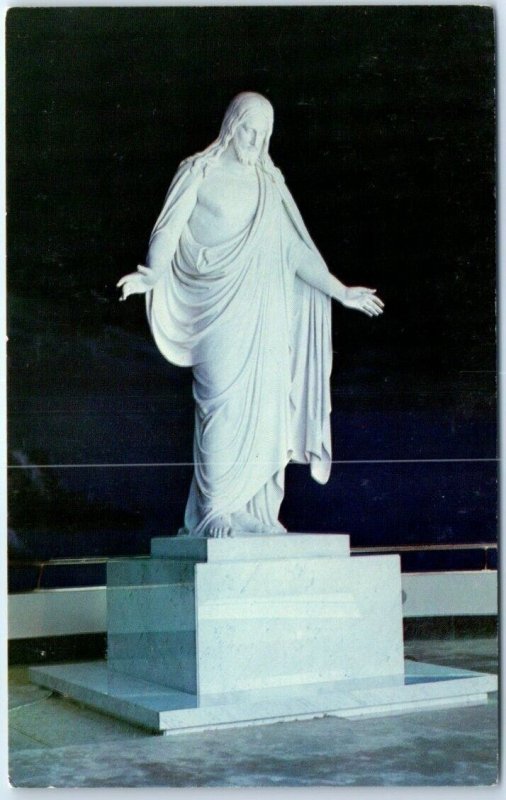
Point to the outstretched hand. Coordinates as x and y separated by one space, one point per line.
138 282
363 299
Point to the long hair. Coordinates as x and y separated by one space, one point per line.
240 106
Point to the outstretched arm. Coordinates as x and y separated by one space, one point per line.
179 204
312 269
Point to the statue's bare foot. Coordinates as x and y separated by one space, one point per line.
247 523
277 528
219 527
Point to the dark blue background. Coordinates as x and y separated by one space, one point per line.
385 131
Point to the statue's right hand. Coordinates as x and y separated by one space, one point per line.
138 282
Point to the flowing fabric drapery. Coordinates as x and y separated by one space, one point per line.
259 342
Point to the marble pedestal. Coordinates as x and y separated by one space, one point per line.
218 616
241 631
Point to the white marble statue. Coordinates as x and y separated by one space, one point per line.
236 289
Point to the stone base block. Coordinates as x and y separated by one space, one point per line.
209 633
224 615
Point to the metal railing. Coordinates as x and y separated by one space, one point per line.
42 563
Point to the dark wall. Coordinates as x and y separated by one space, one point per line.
384 129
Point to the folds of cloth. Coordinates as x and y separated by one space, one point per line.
258 340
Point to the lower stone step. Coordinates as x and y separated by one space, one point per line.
169 711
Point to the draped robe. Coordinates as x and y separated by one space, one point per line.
258 339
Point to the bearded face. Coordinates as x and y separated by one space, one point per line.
249 137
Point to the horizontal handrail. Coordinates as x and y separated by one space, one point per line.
409 548
402 548
42 563
58 562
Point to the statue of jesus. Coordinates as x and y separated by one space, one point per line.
236 289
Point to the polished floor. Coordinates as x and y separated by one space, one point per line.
56 742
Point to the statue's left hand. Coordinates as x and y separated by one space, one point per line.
363 299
